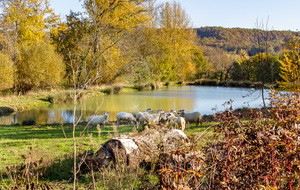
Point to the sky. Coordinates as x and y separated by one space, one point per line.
274 14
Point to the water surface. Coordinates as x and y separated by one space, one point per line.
206 100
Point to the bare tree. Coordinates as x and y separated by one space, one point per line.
262 37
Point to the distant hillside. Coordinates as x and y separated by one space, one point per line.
235 39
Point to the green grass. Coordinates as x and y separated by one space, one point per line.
55 145
16 140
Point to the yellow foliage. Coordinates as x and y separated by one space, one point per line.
39 66
29 19
6 72
290 68
109 65
118 14
176 39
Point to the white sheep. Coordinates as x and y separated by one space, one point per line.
155 117
178 122
125 116
94 120
192 117
141 116
173 112
164 119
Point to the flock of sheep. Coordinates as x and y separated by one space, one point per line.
171 118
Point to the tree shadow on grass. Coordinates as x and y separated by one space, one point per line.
18 132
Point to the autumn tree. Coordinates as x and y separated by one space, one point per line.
40 67
266 67
201 64
6 72
290 65
93 46
174 39
73 43
263 48
221 63
258 68
25 26
241 67
26 21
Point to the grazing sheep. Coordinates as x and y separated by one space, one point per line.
140 116
94 120
192 117
155 117
176 121
173 112
125 116
164 119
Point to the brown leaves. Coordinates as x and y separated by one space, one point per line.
259 152
181 168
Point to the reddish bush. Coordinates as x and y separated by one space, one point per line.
259 152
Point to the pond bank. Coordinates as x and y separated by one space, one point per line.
241 84
13 103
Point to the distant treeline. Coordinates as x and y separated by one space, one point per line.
236 39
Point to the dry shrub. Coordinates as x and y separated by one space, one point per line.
256 153
27 175
259 153
181 169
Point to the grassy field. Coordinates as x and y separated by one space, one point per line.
54 145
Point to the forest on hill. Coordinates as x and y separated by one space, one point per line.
236 39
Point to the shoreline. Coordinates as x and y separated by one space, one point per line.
14 103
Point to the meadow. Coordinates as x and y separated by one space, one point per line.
49 148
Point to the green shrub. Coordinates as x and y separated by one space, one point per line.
246 84
50 99
139 87
107 91
117 89
180 83
28 122
152 85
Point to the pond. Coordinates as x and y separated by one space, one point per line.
206 100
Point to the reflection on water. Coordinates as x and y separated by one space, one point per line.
206 100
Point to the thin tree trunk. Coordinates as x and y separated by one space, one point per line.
74 142
263 96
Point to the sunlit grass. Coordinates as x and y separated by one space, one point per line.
16 140
54 144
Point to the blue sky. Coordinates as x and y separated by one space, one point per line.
281 14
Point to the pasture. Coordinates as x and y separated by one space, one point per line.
52 147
